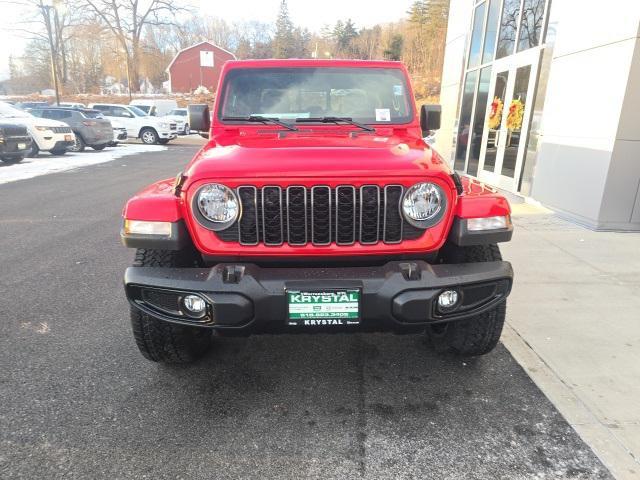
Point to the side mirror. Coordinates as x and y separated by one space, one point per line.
200 119
429 118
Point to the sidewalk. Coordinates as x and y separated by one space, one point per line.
573 323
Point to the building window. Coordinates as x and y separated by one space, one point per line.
465 120
531 24
491 31
478 120
514 132
475 51
495 121
508 28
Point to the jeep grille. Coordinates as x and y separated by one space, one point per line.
320 215
61 129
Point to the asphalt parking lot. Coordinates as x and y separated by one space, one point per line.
77 400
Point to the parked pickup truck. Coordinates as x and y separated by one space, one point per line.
315 206
151 130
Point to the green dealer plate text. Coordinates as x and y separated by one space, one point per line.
324 307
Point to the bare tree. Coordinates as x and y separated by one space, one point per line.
127 20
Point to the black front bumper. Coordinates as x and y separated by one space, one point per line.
249 298
10 146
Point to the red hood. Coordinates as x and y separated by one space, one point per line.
318 153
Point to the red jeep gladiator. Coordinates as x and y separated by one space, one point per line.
315 206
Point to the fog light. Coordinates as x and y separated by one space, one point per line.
194 305
448 299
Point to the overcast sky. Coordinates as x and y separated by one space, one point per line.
306 13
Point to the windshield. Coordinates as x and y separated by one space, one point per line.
139 111
179 112
7 111
367 95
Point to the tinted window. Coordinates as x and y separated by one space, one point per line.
465 120
475 141
136 111
92 114
531 24
491 31
476 36
120 112
520 88
508 28
495 120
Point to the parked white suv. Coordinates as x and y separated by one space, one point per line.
48 135
151 130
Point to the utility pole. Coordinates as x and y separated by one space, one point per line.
46 9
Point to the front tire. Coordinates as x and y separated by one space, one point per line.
149 136
163 141
35 150
99 147
480 334
58 151
163 341
11 160
78 146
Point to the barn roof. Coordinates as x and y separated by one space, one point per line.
197 45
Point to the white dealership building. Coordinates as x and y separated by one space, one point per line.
542 98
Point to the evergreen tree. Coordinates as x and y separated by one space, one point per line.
394 49
283 40
344 34
419 12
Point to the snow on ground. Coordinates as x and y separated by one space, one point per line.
46 163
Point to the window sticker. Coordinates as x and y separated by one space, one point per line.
383 115
397 90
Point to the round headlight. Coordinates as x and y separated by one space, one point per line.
217 205
424 204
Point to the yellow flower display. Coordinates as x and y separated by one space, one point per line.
516 114
495 116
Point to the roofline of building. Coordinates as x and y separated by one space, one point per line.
193 46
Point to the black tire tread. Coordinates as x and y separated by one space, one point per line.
480 334
160 341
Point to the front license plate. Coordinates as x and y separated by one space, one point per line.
22 146
67 138
324 307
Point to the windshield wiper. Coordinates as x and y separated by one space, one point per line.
260 119
336 120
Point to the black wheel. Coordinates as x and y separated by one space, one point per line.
163 141
99 147
58 151
10 160
78 145
480 334
162 341
149 136
33 153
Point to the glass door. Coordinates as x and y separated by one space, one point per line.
507 119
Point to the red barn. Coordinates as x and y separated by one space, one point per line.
199 64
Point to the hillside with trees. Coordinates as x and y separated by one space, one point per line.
106 45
